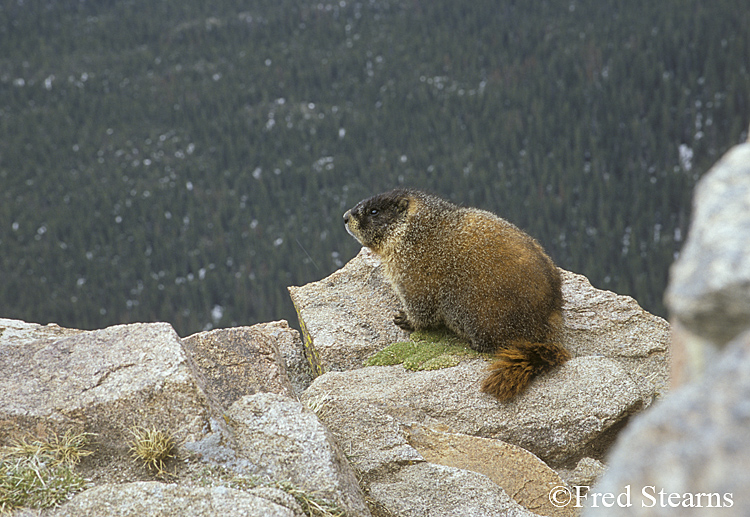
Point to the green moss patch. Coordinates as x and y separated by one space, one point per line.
426 350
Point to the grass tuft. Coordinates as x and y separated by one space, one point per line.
153 447
311 505
38 473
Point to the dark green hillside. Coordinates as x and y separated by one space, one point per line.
185 161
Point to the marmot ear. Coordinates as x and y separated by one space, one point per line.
403 204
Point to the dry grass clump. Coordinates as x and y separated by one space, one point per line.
311 505
152 447
38 473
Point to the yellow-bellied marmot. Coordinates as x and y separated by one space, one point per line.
472 272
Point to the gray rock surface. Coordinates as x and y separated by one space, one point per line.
374 441
154 499
290 347
585 474
348 316
428 489
286 441
603 323
102 382
523 476
238 361
561 417
20 333
709 288
695 441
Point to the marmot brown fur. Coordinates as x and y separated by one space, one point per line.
470 271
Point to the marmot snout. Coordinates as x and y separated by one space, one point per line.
470 271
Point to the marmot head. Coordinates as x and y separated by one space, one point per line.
374 220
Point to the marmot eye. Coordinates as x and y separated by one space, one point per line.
374 211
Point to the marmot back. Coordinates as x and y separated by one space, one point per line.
472 272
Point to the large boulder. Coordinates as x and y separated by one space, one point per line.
223 396
347 317
284 440
239 361
688 453
605 324
101 382
568 415
620 366
709 287
560 418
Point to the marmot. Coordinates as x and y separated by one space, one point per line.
470 271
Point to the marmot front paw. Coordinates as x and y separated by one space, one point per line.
402 321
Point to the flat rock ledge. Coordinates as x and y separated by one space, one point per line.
245 445
256 435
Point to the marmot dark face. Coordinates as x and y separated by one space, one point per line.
373 220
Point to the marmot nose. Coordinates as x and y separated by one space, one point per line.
347 215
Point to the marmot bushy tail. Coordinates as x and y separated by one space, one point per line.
516 365
472 272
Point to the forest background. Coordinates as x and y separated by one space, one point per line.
186 161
